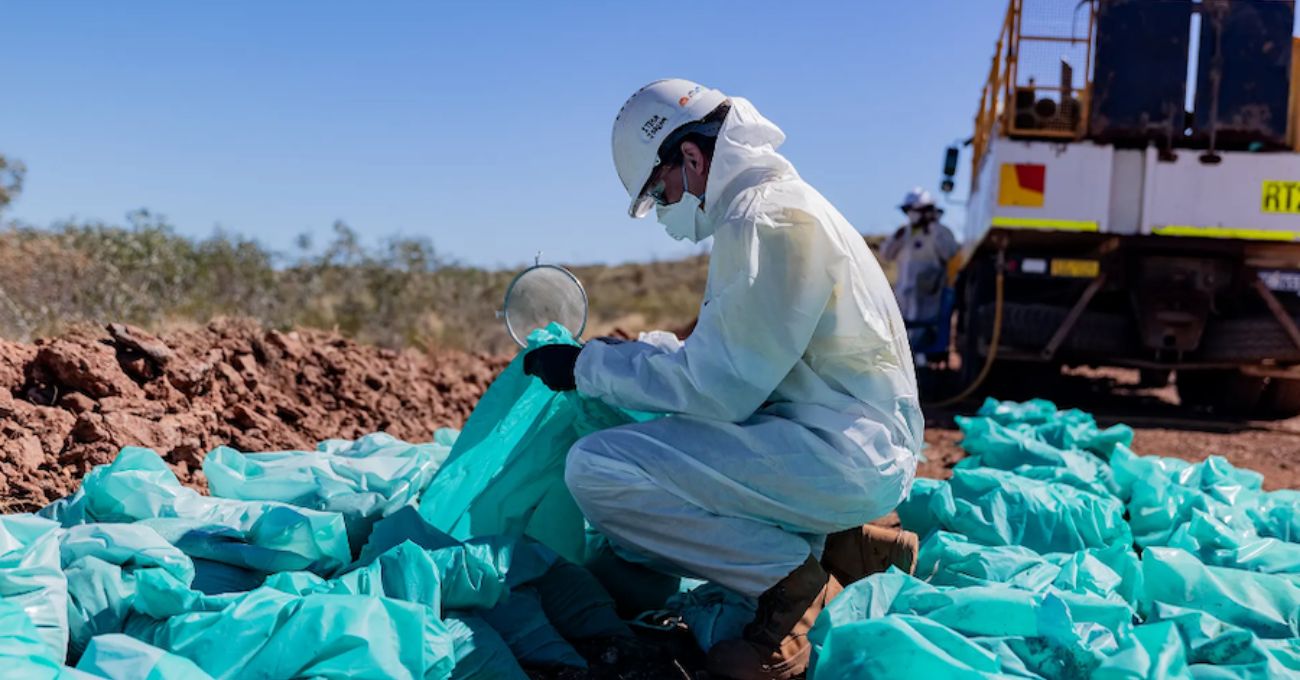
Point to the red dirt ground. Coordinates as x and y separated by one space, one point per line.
69 403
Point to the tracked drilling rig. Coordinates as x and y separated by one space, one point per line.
1135 197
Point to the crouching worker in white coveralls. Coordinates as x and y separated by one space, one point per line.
794 411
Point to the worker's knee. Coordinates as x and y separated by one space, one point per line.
582 470
594 474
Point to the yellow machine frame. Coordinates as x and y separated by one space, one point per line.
995 115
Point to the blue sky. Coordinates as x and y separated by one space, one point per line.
483 126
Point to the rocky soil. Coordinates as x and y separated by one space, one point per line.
71 402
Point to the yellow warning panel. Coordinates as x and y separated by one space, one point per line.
1281 197
1080 269
1226 232
1022 185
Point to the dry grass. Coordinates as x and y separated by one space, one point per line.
401 293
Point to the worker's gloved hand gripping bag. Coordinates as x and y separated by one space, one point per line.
505 474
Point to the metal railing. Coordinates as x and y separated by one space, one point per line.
1031 92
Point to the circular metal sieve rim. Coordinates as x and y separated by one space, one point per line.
505 307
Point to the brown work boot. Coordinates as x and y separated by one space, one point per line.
853 555
775 644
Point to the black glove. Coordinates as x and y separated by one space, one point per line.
554 364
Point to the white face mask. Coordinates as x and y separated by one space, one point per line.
682 219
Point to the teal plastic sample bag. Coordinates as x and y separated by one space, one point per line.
1022 451
470 576
31 578
273 634
24 654
24 650
505 474
1218 544
103 563
265 536
363 480
1112 573
1264 604
1217 649
995 507
118 657
893 625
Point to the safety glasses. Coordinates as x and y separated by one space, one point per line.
657 186
652 194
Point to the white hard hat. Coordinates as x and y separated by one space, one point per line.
916 199
648 117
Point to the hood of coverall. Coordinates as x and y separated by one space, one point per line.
743 157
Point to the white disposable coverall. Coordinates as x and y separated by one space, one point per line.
922 259
795 398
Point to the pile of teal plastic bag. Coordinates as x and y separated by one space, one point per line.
373 558
1056 552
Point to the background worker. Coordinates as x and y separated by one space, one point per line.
920 250
794 408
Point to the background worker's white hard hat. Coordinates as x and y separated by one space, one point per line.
648 117
917 198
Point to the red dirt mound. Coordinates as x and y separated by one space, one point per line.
69 403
